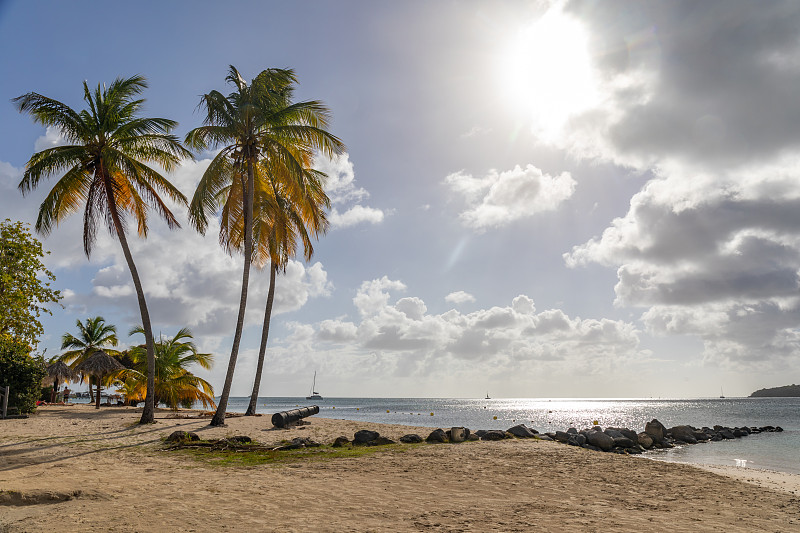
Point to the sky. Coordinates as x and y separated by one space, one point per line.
538 199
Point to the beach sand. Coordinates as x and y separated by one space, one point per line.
72 468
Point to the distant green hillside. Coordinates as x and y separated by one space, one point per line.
778 392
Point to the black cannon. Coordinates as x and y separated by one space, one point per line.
284 418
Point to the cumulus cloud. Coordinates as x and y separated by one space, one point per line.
459 297
342 190
499 198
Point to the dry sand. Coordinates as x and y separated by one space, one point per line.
76 469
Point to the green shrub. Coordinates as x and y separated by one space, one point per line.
22 372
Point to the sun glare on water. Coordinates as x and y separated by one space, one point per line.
546 72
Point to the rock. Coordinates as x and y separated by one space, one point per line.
562 436
473 437
480 433
543 436
182 436
494 434
572 430
296 444
645 440
588 446
522 431
380 441
457 434
340 441
739 433
726 433
613 433
437 435
364 436
633 451
684 434
656 430
624 442
411 438
240 439
600 440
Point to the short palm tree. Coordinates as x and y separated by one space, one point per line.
93 335
174 384
103 169
282 217
256 121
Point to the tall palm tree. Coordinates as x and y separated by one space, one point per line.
254 122
94 335
104 169
284 216
174 384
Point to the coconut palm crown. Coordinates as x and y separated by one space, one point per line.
256 122
103 169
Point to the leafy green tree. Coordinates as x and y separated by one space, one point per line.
174 384
255 122
24 283
103 169
22 372
94 335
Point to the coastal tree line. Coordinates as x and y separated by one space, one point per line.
261 184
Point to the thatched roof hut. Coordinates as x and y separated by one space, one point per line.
99 364
58 372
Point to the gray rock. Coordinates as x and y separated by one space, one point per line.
624 442
494 434
562 436
364 436
645 440
600 440
437 435
726 433
473 437
457 434
544 436
683 434
380 441
182 436
656 430
572 430
628 433
411 438
340 441
522 431
613 433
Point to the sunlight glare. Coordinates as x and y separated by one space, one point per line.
545 71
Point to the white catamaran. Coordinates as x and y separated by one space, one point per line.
314 394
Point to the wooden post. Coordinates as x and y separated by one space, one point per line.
5 400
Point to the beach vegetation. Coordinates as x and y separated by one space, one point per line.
175 385
103 169
21 371
258 123
25 283
93 335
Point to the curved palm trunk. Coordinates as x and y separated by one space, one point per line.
148 413
251 409
249 192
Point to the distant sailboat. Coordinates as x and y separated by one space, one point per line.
314 394
487 395
721 395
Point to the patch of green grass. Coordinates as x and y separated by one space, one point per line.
250 458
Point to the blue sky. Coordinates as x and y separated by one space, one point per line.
538 199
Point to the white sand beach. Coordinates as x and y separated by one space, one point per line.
77 469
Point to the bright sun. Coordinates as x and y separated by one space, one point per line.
546 72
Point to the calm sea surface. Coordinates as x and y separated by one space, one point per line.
772 451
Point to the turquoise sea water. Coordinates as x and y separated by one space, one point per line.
772 451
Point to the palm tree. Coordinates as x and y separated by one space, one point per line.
174 384
282 217
254 122
94 335
103 169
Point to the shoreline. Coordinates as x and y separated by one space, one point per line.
77 468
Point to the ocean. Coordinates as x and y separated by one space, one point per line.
770 451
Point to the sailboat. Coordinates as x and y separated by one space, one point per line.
487 396
314 394
721 394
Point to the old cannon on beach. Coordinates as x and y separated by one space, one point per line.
284 418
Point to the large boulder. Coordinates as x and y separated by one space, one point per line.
683 434
576 439
624 442
522 431
364 436
645 440
656 430
613 433
411 438
600 440
437 435
340 441
494 434
562 436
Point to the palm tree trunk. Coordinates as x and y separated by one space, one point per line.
148 413
91 390
248 193
251 409
97 396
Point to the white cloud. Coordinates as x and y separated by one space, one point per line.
459 297
342 190
50 139
355 215
500 198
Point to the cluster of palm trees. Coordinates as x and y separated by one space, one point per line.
174 384
261 183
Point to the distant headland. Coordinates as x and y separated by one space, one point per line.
778 392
